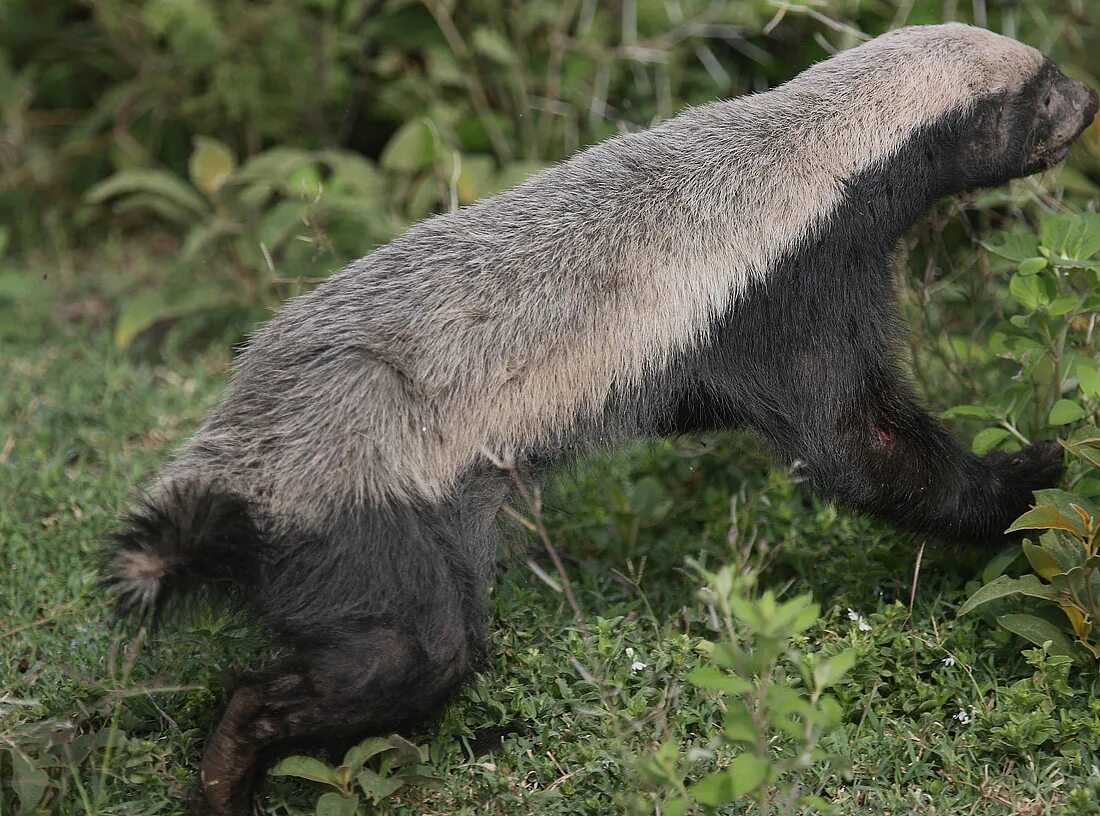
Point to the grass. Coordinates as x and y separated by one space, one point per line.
942 715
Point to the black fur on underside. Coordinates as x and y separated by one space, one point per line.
189 534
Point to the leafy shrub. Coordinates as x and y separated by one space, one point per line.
397 763
1053 344
774 721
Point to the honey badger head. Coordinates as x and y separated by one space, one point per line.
981 107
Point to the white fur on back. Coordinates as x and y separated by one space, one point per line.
489 331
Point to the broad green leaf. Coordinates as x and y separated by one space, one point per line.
968 412
738 725
1066 501
403 752
999 563
304 183
304 767
358 754
1028 290
1088 379
748 772
145 311
375 787
713 789
1005 587
211 164
166 208
1064 412
1048 517
833 670
333 804
711 678
1014 247
987 440
273 166
1032 266
152 182
1068 552
1045 564
29 780
1038 631
410 149
1062 305
676 807
490 43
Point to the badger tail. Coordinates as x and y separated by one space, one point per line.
186 535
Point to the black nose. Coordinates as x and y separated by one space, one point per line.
1092 104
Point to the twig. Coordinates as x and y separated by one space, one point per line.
916 577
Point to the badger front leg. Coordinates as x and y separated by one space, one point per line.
866 443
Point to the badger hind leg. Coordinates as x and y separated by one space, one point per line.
383 618
370 678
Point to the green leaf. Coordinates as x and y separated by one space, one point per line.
357 755
211 164
1038 631
29 780
709 677
1064 412
833 670
333 804
1028 290
375 787
713 789
1014 247
738 726
1063 305
304 767
1005 587
405 752
1048 517
1088 379
1000 562
748 772
1041 561
410 149
968 412
153 182
141 313
490 43
987 440
1032 266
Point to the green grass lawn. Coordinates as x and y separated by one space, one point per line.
942 715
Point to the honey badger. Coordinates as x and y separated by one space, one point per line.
727 268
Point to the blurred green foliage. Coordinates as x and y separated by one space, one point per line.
90 89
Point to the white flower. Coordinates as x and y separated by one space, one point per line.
864 626
948 661
630 651
637 666
965 715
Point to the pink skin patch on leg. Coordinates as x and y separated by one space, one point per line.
881 435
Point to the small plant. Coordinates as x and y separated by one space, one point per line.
397 763
1054 345
1066 562
1053 341
775 718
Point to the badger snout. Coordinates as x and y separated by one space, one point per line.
1069 108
